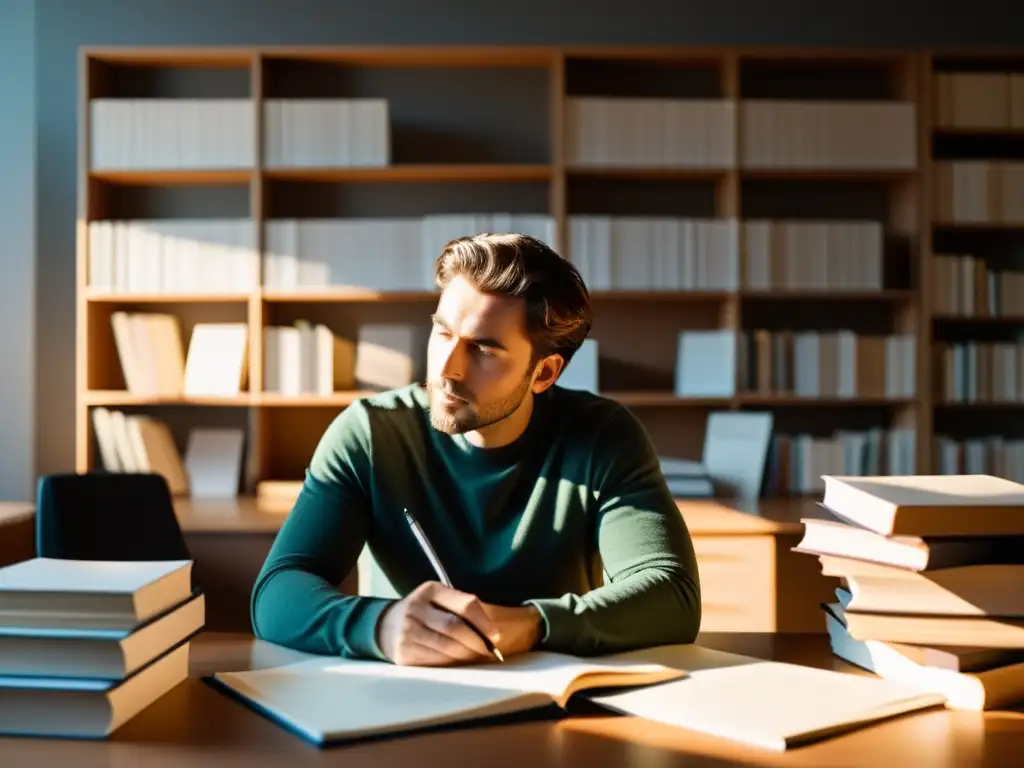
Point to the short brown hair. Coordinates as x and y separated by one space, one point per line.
558 314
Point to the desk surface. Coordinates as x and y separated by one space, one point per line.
12 512
199 726
703 517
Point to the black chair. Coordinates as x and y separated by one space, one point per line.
107 516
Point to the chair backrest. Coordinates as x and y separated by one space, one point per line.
107 516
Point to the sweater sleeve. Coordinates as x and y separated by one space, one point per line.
295 601
652 590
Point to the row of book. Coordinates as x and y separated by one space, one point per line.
210 467
991 101
154 362
127 133
966 285
986 455
326 132
378 254
173 256
161 134
856 135
837 364
86 646
929 571
979 371
650 132
797 462
155 133
310 359
612 252
680 254
979 191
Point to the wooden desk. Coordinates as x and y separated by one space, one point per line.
17 531
200 726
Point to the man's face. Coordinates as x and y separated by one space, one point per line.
478 359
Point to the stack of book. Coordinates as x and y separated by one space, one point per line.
87 645
930 571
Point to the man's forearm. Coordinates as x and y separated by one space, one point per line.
298 609
655 606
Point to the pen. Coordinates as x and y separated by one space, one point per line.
442 575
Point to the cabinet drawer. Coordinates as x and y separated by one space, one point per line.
737 576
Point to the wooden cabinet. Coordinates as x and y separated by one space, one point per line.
751 580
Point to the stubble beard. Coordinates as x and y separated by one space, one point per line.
466 417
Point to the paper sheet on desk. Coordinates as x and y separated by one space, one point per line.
768 704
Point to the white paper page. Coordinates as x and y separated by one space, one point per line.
540 671
326 706
764 703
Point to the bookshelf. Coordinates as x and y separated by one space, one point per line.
775 205
977 268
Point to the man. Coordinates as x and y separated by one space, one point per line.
521 486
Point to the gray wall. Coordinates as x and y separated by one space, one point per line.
18 249
64 25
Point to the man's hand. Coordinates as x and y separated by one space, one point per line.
519 626
433 626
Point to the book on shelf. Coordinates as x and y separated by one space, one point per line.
150 351
837 364
798 462
184 256
376 254
929 571
307 358
139 443
979 371
634 132
161 134
981 101
858 135
86 645
1001 455
966 285
327 700
603 132
326 132
210 467
979 191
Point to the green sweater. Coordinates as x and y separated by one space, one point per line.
536 521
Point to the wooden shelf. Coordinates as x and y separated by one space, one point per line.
753 398
97 297
671 174
660 399
830 174
118 398
979 319
336 399
437 172
173 178
828 294
350 295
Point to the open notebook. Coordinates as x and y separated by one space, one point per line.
330 699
